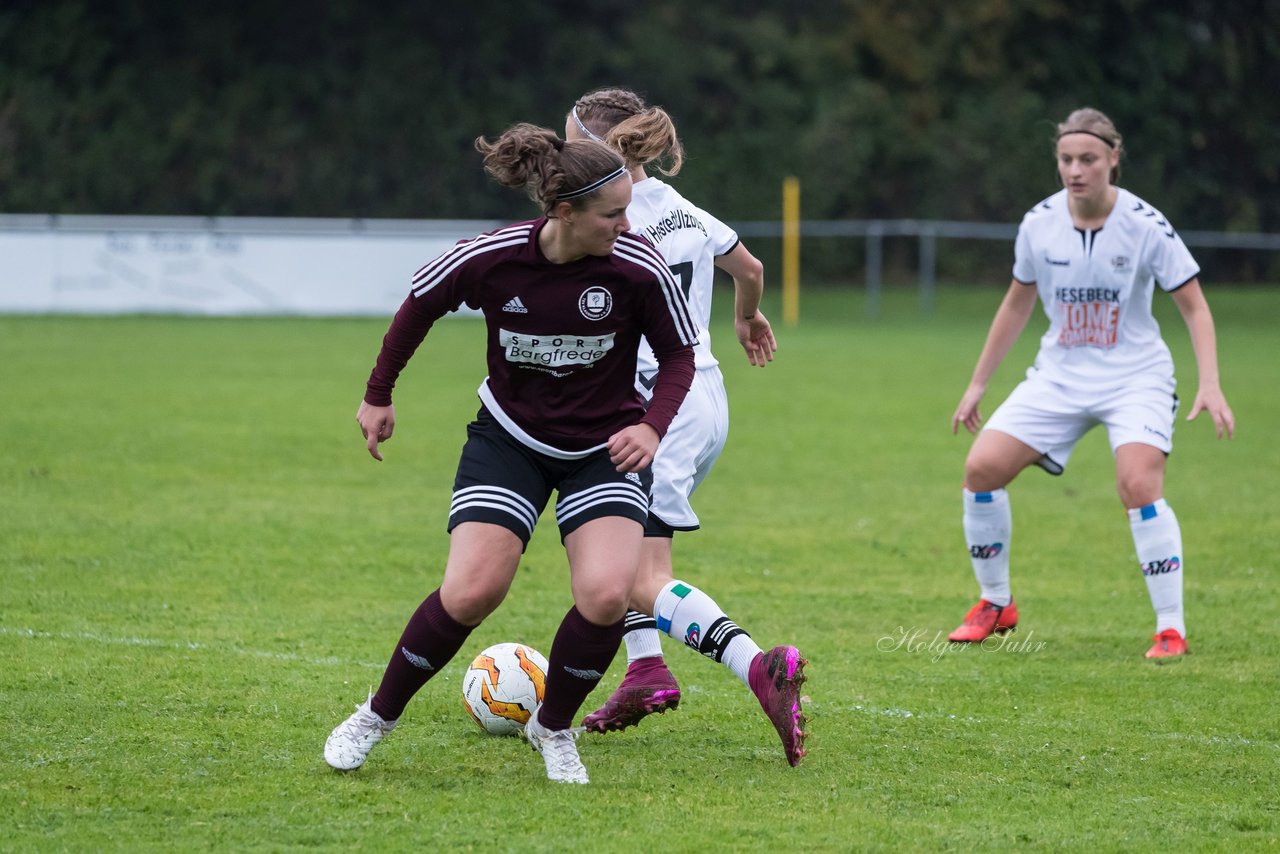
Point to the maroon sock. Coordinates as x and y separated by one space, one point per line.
580 654
430 640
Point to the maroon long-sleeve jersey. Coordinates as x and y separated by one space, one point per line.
562 338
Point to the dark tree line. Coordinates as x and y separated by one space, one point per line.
883 108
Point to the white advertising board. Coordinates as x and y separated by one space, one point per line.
227 266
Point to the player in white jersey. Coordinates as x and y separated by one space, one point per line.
693 243
1093 253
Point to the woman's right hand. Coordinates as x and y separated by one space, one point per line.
377 423
967 412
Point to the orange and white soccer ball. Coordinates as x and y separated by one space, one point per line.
503 686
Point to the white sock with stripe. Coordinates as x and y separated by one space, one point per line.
693 618
988 527
641 637
1158 540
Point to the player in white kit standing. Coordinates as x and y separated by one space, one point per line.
693 243
1093 253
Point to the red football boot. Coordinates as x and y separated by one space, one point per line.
985 620
1168 644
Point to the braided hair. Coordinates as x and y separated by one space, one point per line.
641 133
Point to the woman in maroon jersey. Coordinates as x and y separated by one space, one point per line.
566 298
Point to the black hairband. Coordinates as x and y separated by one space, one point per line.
1110 143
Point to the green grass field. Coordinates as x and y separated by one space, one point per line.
202 572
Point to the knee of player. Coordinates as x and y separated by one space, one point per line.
602 604
982 473
1138 491
646 589
471 603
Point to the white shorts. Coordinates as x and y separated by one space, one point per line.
1052 418
691 447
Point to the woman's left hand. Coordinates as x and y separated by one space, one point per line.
1215 403
632 448
756 337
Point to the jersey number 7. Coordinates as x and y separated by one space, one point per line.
684 272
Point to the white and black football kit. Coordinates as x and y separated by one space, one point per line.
690 239
1102 360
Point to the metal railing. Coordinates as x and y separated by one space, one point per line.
873 231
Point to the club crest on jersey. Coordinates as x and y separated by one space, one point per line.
595 303
1120 264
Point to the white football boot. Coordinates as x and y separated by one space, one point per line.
350 742
559 751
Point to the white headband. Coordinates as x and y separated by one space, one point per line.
577 121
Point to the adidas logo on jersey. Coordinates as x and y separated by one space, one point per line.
633 477
515 306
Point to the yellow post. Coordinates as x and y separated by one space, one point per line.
791 251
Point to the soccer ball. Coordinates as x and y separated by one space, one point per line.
503 686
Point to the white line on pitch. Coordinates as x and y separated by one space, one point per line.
79 637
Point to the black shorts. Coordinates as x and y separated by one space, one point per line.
503 482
